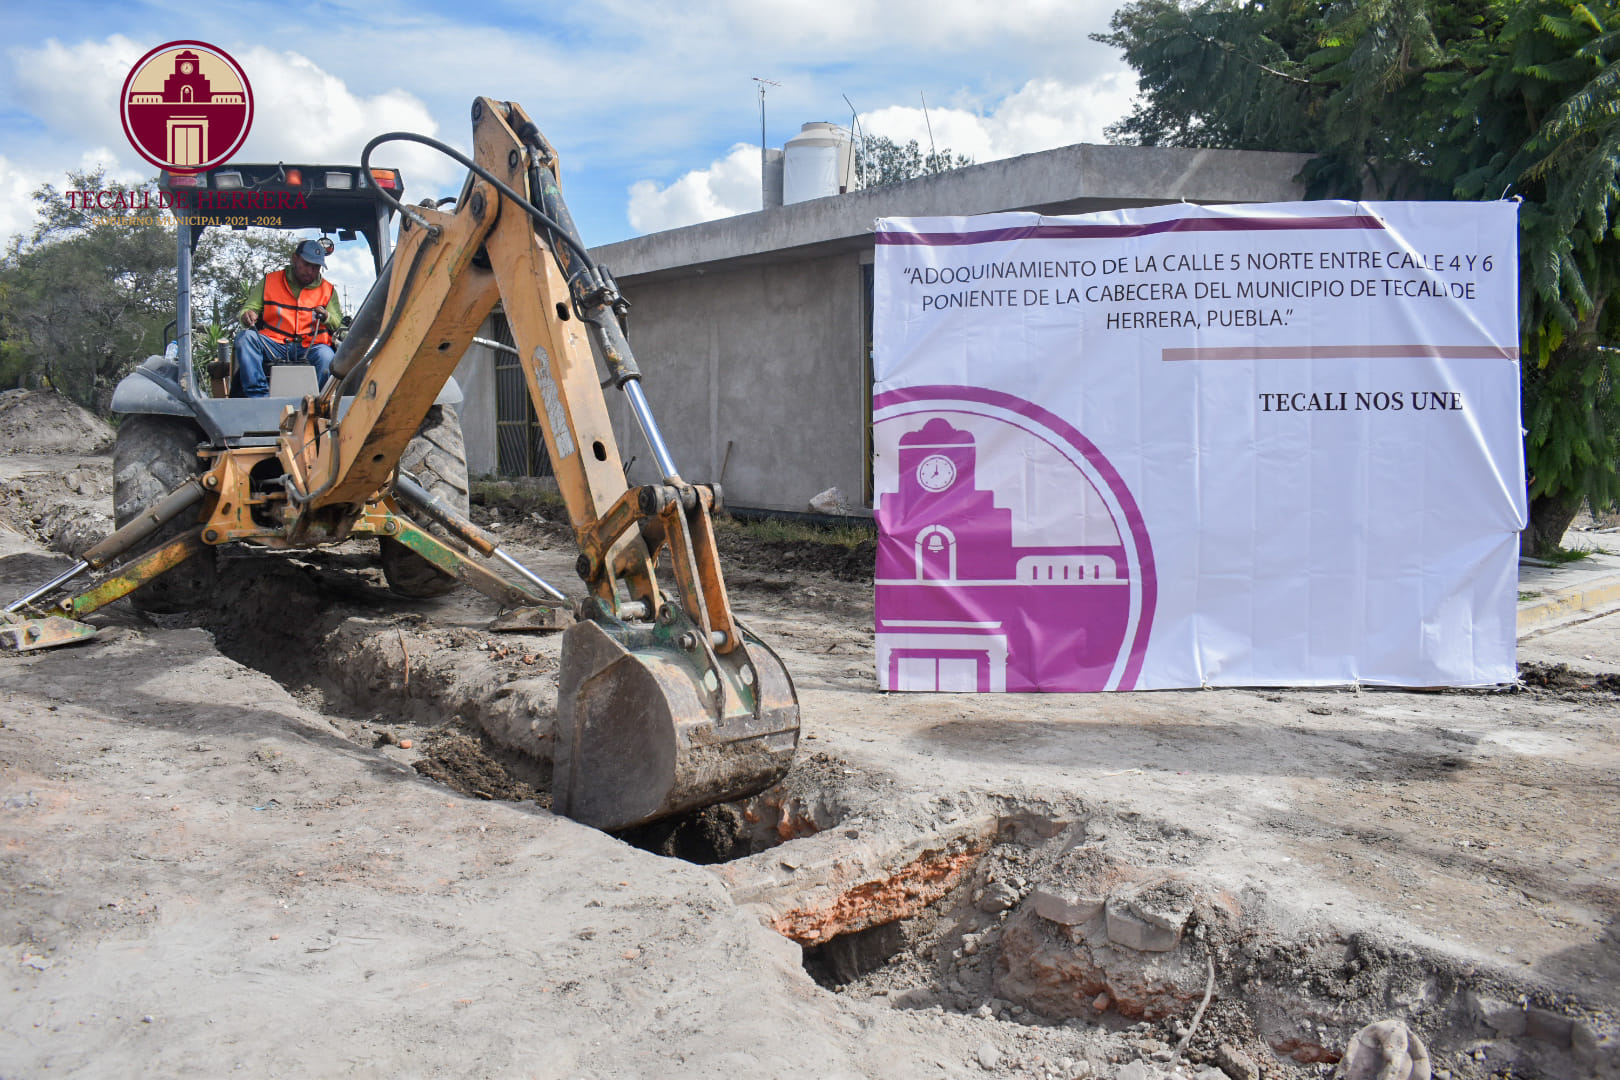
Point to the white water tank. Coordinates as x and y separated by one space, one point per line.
818 161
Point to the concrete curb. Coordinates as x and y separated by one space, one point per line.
1564 605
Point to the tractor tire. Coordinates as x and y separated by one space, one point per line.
437 457
152 456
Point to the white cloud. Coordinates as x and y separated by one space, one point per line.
304 113
18 183
727 187
842 27
1047 113
1006 78
74 89
301 113
1043 114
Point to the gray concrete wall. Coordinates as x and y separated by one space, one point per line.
1069 180
750 329
766 360
476 374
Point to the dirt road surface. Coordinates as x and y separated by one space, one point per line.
220 856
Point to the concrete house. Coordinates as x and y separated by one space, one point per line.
755 332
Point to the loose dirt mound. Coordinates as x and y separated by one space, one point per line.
45 422
1563 677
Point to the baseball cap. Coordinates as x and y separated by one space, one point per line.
310 251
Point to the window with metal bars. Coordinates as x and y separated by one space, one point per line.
520 443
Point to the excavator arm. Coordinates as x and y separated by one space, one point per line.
666 702
456 267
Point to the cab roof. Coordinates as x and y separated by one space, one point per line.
330 198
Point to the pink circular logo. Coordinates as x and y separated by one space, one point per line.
1011 555
187 106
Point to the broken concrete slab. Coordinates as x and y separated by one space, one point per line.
1149 916
1066 907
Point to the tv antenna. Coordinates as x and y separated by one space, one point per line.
855 137
932 152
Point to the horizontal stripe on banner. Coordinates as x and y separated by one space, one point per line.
1346 352
1091 232
961 583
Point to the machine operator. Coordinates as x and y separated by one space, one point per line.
288 319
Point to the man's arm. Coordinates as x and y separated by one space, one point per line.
334 312
253 306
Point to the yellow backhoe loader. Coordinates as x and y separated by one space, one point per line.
666 702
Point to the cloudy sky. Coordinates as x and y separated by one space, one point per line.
651 105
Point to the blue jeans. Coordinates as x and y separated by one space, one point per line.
256 352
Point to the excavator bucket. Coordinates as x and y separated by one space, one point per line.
648 728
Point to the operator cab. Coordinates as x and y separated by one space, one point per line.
332 199
335 200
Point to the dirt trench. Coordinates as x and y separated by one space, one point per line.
1036 912
1081 937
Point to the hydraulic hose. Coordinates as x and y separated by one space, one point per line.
594 295
477 170
587 282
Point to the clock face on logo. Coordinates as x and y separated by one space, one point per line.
936 472
185 68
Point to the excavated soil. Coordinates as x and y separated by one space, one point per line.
463 762
1041 886
1561 678
45 422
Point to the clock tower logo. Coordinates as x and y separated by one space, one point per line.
187 106
1011 554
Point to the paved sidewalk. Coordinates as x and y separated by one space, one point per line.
1557 595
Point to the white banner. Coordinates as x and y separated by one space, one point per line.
1198 446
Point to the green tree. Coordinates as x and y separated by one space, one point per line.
880 160
1465 99
87 292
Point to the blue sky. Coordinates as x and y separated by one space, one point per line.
651 106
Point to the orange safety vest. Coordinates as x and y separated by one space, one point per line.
285 319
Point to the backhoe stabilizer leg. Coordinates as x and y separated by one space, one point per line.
406 487
59 625
49 587
45 633
132 575
135 530
652 722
